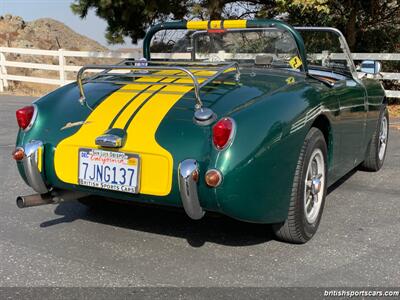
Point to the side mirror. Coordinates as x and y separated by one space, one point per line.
371 67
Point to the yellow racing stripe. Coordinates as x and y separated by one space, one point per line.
40 158
66 154
156 162
156 177
127 113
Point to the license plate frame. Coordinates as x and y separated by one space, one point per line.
111 186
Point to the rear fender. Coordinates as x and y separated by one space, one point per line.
259 166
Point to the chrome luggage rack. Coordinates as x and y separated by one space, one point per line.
139 70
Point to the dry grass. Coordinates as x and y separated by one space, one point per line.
30 89
394 110
394 113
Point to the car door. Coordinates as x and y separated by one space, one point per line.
351 122
328 50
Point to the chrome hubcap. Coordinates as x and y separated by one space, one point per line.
383 135
314 186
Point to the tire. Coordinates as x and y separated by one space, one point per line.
302 222
377 147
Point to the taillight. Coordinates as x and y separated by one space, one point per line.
25 116
18 153
213 178
223 132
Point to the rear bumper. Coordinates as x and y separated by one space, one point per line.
188 175
31 163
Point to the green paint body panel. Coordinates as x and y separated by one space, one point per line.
272 117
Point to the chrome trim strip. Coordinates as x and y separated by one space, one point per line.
188 174
32 172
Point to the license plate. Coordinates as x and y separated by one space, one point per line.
109 170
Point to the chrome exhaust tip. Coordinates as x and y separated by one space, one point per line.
53 197
34 200
20 202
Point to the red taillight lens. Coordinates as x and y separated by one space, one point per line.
223 133
24 116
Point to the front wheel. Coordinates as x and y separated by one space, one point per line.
308 191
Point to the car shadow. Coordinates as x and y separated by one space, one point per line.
213 227
164 221
342 180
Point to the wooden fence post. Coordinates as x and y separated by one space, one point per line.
61 63
3 73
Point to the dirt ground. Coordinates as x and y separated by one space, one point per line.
394 110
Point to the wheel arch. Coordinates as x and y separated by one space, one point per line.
322 123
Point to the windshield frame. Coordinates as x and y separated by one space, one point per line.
233 24
343 45
204 32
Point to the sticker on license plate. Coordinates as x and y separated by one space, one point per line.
109 170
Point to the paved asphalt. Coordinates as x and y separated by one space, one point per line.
357 243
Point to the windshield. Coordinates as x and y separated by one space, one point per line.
268 47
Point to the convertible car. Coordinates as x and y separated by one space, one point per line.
253 119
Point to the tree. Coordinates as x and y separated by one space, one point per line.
130 18
369 25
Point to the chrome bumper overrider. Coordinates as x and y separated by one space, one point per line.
188 175
30 163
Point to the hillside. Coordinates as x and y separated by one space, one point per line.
47 34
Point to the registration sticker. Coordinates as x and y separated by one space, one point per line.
290 80
295 62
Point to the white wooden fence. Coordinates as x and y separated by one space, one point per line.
62 68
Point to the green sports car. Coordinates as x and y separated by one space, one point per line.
253 119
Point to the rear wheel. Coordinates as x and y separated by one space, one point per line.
308 191
377 147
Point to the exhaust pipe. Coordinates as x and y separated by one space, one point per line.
53 197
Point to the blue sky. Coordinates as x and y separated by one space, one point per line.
29 10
